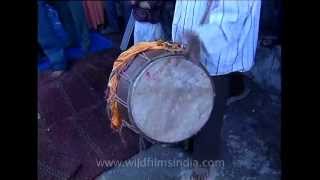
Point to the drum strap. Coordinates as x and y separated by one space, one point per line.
120 64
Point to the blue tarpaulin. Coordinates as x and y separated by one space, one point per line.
98 43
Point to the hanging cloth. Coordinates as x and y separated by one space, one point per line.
94 13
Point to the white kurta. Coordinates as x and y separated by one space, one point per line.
229 35
144 31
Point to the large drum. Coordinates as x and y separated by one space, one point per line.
165 97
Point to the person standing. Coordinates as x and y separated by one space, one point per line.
112 17
222 36
49 41
148 16
73 19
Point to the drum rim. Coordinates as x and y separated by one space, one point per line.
130 92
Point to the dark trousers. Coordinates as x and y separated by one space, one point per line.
167 18
48 39
126 10
207 143
73 18
111 10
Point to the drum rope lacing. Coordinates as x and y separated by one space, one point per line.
121 63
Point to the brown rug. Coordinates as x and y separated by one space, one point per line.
73 129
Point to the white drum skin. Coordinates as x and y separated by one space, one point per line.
171 99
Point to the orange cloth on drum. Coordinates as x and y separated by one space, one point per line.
94 11
121 62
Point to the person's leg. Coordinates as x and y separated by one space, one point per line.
207 143
49 42
238 88
279 22
80 23
112 17
236 83
67 21
126 11
167 18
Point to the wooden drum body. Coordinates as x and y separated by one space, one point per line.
165 97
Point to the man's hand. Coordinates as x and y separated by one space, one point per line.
193 47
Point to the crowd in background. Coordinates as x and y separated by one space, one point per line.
78 18
63 24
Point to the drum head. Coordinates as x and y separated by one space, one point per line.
171 99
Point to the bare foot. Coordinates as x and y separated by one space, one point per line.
56 74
